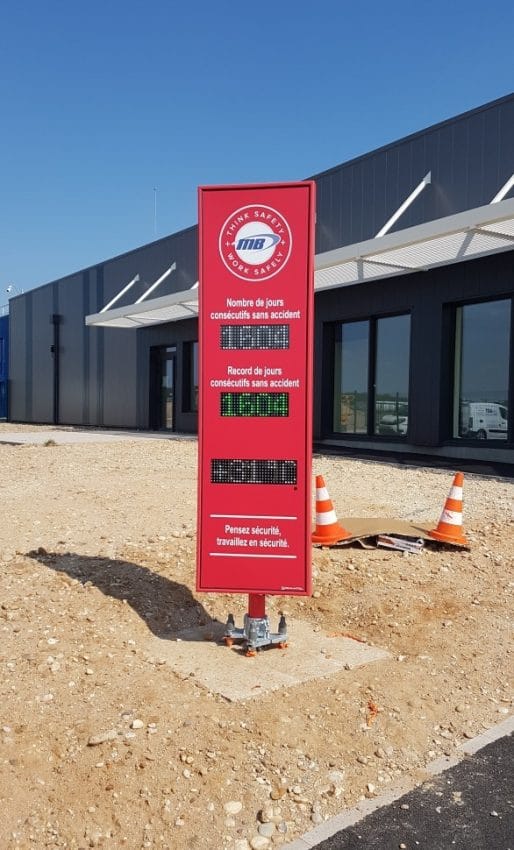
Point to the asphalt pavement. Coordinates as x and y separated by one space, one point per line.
469 806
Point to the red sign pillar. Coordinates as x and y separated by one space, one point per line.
255 410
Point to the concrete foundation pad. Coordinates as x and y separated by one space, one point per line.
201 654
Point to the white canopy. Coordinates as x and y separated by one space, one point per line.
474 233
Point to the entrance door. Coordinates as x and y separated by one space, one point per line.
162 388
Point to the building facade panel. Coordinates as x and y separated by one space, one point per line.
120 376
4 365
42 355
70 344
450 150
150 262
20 377
93 354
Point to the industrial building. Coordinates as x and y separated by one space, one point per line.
414 285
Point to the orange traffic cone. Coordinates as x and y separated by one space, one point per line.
327 531
449 527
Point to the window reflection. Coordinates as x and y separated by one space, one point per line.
351 378
392 376
384 379
482 340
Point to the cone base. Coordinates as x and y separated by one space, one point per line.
448 538
329 540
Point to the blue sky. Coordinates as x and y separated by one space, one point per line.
102 102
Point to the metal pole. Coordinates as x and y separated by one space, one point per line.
256 605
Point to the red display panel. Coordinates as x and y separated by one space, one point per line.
255 411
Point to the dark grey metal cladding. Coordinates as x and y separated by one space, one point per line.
4 365
150 262
122 356
430 297
41 332
469 157
20 359
4 337
99 369
71 350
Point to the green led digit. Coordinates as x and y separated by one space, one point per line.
259 405
247 404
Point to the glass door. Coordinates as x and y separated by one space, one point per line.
167 392
162 388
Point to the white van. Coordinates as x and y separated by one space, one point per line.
392 424
483 420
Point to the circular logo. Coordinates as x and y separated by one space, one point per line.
255 242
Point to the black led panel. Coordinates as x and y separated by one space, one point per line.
226 471
254 337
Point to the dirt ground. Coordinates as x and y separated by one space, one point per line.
103 745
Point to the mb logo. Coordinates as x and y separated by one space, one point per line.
257 243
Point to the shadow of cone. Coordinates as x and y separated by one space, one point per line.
327 531
449 528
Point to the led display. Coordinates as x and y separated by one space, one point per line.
227 471
260 404
254 337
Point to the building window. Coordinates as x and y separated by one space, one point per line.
351 378
392 375
190 377
371 377
482 342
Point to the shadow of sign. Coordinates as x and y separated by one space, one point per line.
166 606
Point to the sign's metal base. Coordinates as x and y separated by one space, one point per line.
256 634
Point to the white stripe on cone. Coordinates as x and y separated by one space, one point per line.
456 493
327 518
322 494
451 517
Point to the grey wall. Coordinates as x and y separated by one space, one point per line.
41 330
470 158
4 366
70 306
20 359
99 369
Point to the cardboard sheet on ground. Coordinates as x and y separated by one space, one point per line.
362 528
200 654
